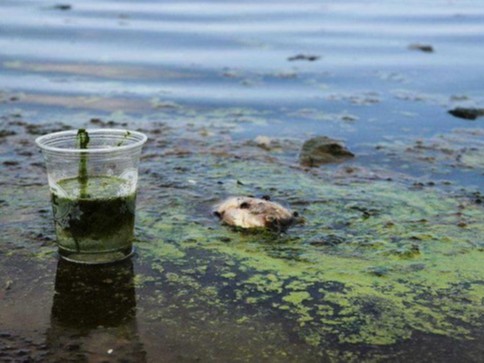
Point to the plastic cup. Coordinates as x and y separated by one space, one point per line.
93 177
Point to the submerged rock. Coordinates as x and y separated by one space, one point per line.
248 212
323 150
467 113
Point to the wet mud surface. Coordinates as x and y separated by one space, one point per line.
387 262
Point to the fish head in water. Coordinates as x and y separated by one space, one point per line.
249 212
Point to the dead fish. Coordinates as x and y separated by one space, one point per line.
249 212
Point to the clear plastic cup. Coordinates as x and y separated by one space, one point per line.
93 177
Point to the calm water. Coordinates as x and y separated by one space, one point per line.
232 62
200 56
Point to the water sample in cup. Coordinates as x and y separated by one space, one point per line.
93 177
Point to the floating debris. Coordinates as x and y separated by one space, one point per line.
323 150
249 212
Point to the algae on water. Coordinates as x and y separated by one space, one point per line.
375 262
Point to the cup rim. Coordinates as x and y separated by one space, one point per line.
40 141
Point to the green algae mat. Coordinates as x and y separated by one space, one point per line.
381 267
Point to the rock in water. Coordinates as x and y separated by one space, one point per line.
248 212
323 150
467 113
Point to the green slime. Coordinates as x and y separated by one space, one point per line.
83 140
375 262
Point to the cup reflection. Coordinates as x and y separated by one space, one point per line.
93 315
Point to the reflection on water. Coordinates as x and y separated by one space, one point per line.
93 314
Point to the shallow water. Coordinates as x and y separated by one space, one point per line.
203 80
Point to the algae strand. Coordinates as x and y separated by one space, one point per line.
83 141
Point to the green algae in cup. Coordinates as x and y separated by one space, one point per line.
93 176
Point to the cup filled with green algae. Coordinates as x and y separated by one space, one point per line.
93 177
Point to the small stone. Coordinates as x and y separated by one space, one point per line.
323 150
8 284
